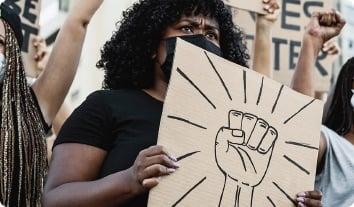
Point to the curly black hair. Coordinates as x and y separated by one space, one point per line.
127 57
340 117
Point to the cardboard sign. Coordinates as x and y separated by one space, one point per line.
248 5
29 11
287 36
241 139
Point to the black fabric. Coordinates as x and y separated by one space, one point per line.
13 20
44 123
197 40
122 122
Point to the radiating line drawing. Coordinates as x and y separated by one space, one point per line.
218 74
245 85
186 121
301 109
260 92
296 164
196 87
278 96
285 193
189 191
301 145
271 201
186 155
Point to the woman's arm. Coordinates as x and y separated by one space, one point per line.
322 27
53 84
262 62
72 179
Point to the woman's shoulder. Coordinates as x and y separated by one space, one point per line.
107 95
334 140
329 133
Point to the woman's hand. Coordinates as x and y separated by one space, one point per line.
331 48
271 7
149 165
41 56
323 27
309 199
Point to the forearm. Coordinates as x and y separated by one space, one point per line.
54 83
108 191
303 79
262 49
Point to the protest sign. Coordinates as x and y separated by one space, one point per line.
239 137
287 36
248 5
29 11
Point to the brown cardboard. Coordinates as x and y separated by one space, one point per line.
287 36
248 5
204 105
29 11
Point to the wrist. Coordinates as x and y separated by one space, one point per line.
263 23
133 186
313 42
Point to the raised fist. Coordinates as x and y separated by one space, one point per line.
243 149
325 25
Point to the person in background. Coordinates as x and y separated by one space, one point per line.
262 59
106 153
335 165
41 57
28 111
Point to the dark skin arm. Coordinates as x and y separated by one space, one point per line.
322 27
72 179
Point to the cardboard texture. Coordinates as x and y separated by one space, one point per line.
248 5
287 36
240 138
29 11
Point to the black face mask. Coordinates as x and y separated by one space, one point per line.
197 40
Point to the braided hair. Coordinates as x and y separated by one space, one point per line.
340 117
22 144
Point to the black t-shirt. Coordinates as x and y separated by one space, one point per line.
122 122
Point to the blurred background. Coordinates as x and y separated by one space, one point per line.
89 78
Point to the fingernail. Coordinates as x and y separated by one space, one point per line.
300 199
176 164
171 170
237 133
302 194
173 158
267 6
301 204
265 1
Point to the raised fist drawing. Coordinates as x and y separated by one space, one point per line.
243 149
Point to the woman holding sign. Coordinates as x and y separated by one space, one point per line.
27 111
105 154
